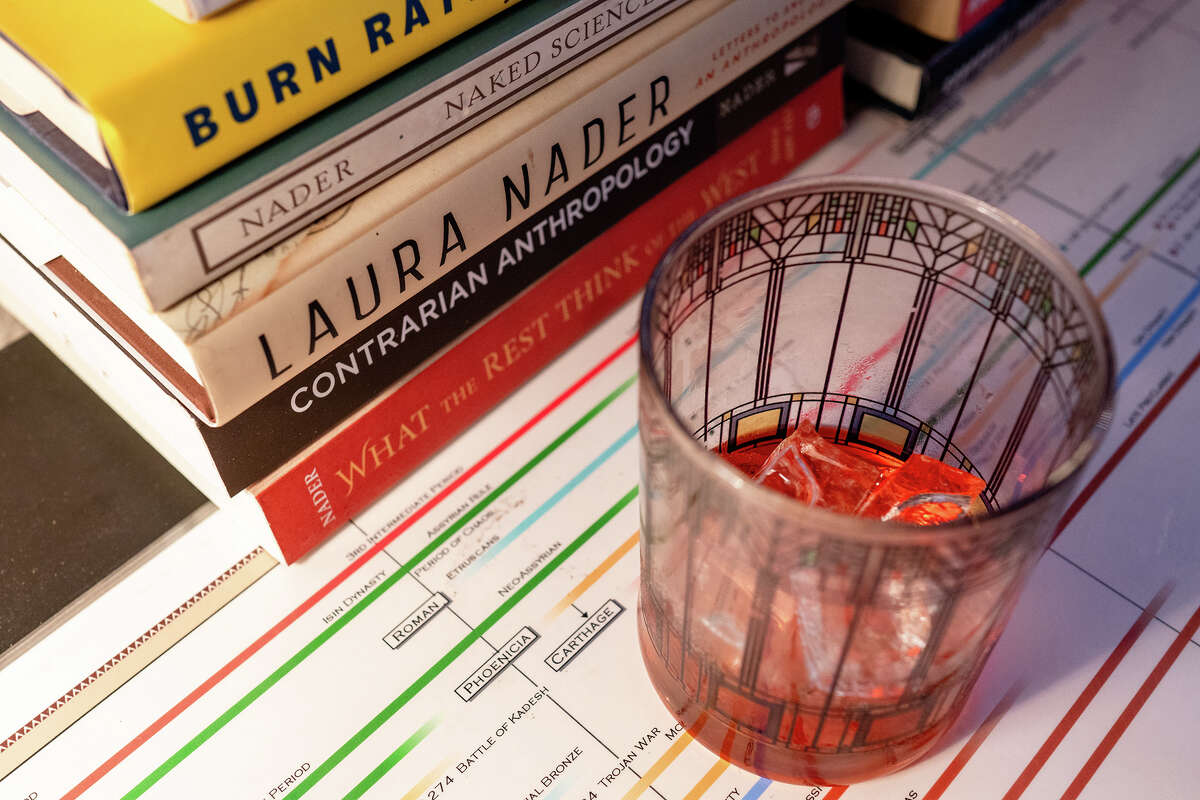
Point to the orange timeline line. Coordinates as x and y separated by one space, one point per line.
706 782
428 779
664 761
594 575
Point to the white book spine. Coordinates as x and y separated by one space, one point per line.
266 211
353 269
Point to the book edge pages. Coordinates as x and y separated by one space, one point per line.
284 493
25 88
832 53
193 10
235 385
108 371
887 74
169 124
149 339
181 241
42 191
33 235
938 18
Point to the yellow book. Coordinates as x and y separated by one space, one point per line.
146 103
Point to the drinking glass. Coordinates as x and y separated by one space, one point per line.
898 318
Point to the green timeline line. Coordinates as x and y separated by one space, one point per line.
1141 212
1088 265
449 658
406 747
241 705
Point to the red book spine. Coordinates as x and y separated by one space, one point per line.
971 12
361 460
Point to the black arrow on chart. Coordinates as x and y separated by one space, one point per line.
581 613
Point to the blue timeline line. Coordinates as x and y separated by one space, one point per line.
1130 365
1024 86
982 123
1158 334
755 791
566 488
558 791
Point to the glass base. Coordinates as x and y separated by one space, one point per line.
741 747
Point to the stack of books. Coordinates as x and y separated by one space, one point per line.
299 246
912 53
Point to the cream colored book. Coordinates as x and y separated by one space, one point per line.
302 308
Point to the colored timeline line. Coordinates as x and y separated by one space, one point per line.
710 777
344 619
590 579
1187 300
665 760
761 785
1087 695
707 780
394 757
269 635
452 655
1158 334
106 679
974 743
562 492
866 150
1145 207
1135 705
659 766
982 123
755 791
1104 294
1123 449
1143 620
1111 242
428 779
558 791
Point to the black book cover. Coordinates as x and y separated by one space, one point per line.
946 66
255 442
81 491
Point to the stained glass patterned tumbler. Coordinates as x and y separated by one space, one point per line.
897 318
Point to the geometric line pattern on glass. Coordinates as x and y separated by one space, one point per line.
944 249
894 433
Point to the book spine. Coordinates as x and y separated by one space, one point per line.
972 12
258 440
193 10
343 162
358 268
173 103
961 61
318 492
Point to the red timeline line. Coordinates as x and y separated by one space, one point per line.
1135 705
349 570
857 158
964 755
1087 695
1080 500
1127 445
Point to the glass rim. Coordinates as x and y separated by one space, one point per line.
847 525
